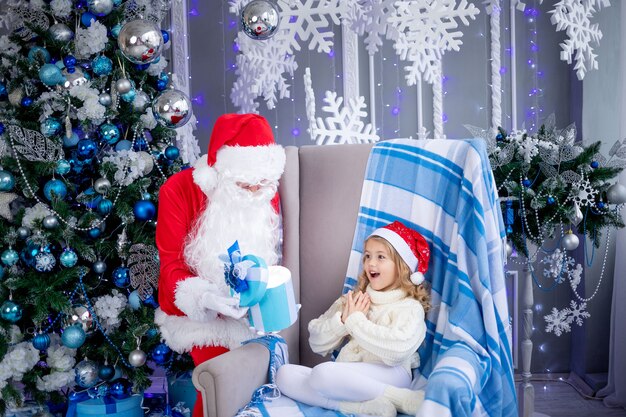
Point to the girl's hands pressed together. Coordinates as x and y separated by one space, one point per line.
355 302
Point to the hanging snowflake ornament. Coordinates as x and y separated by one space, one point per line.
583 193
371 18
558 265
574 17
44 262
426 30
560 321
344 125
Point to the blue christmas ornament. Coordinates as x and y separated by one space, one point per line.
71 141
69 62
51 75
144 210
117 2
152 332
142 67
95 233
73 336
499 137
28 254
161 85
26 101
1 272
105 206
120 388
94 200
109 133
161 354
550 200
595 164
45 262
3 91
121 277
11 311
166 36
164 77
134 301
526 182
140 144
600 205
102 65
37 53
106 372
130 96
41 342
1 128
86 18
63 167
7 181
151 301
123 145
172 152
86 149
115 30
9 257
68 258
50 127
55 188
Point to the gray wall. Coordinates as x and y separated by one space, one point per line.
467 101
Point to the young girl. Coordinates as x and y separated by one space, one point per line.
383 324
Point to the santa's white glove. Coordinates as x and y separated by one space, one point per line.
227 306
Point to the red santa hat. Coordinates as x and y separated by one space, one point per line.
410 245
241 146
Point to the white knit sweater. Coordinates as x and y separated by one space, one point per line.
390 333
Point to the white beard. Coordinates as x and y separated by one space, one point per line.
232 214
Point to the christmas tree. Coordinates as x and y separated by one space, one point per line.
87 137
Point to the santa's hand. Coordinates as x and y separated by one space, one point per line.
227 306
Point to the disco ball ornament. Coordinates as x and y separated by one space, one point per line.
101 65
109 133
100 7
61 32
9 257
50 127
73 336
121 277
616 194
81 316
99 267
137 358
86 373
260 19
51 75
106 372
172 108
68 258
7 181
55 188
140 41
50 222
570 241
144 210
161 354
41 341
10 311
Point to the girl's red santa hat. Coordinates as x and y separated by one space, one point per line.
242 147
410 245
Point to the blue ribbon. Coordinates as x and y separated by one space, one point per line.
110 402
235 270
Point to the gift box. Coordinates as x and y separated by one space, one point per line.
181 390
110 406
277 310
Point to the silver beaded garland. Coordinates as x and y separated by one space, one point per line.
137 358
50 222
102 185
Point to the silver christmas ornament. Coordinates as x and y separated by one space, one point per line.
172 108
86 373
577 217
123 85
100 7
259 19
105 99
61 32
570 241
140 41
137 358
99 267
102 185
23 232
50 222
616 194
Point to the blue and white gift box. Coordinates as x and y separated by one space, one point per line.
111 406
245 275
277 310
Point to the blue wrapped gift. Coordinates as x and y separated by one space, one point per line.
111 406
181 390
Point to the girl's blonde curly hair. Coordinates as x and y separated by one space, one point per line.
420 292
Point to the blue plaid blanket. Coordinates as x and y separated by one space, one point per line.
445 190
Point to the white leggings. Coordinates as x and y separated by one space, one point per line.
330 383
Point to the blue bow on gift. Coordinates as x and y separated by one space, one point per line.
236 269
109 400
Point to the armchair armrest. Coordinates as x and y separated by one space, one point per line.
227 382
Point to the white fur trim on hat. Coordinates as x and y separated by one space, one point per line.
400 245
204 176
417 278
251 163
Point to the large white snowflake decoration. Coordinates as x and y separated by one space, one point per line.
560 321
344 125
370 18
426 31
301 21
584 193
574 16
558 265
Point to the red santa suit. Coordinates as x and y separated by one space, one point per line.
197 313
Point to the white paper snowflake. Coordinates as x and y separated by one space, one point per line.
426 31
574 16
370 18
344 125
44 262
583 193
560 321
558 265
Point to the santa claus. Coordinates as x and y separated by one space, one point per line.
229 195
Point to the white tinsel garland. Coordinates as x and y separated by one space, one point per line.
135 166
91 40
92 109
61 8
108 309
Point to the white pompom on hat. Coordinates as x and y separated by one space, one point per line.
410 245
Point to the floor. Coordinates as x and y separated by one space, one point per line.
557 398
